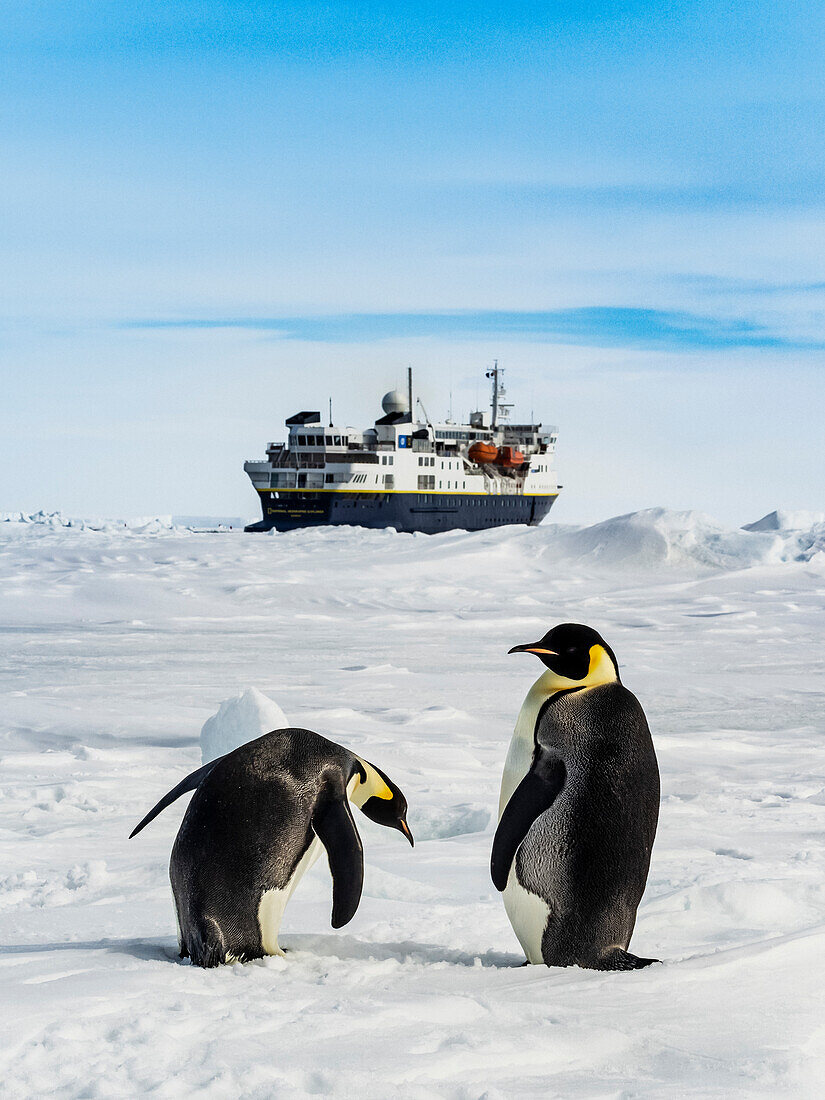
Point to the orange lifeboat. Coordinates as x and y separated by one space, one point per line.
509 457
482 453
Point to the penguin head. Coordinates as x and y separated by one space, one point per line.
380 799
576 655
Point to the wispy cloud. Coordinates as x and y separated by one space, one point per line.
599 326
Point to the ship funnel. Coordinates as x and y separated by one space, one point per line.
395 402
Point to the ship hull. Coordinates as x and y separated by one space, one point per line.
428 513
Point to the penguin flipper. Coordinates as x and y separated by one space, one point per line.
188 784
336 830
535 794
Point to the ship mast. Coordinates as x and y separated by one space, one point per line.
498 406
494 403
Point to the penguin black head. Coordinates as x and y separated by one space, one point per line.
380 799
576 655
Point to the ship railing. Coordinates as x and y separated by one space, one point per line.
310 462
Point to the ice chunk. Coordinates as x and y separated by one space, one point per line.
240 719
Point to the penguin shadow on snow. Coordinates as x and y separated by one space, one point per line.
298 948
152 949
350 948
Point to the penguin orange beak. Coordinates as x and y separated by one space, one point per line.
405 829
533 647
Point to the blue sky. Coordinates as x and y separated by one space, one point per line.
212 214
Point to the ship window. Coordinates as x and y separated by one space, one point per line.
391 460
329 440
329 478
337 441
302 441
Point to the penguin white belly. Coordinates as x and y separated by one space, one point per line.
528 915
273 902
526 911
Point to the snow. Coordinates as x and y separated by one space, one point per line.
786 521
240 719
119 642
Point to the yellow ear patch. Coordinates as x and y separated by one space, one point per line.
371 787
601 669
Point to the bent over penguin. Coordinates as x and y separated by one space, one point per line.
578 809
256 823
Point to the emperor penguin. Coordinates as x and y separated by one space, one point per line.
578 809
258 820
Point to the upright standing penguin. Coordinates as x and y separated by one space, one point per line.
258 820
578 809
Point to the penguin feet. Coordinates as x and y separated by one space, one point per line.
616 958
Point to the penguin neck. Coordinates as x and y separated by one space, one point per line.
523 743
543 689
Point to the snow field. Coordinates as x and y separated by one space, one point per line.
119 643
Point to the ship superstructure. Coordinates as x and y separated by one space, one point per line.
408 472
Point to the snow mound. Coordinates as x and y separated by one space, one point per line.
655 538
240 719
658 536
786 521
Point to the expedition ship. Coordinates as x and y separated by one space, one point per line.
409 473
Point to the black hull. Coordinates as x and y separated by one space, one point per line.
428 512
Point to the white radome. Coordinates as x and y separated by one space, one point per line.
395 402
